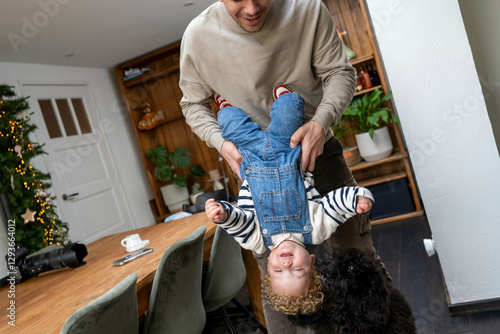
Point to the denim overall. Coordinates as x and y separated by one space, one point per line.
271 168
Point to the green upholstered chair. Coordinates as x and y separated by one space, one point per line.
226 275
175 304
113 312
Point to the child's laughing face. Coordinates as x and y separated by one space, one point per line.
290 267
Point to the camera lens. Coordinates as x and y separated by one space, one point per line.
69 256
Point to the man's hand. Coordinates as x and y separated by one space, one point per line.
230 153
312 137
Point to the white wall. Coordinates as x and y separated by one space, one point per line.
120 137
438 97
482 25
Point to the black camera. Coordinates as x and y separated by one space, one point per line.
69 256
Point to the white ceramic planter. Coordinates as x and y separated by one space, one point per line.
378 148
174 196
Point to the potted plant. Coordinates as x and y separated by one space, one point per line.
373 138
176 193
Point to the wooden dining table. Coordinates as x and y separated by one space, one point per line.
44 303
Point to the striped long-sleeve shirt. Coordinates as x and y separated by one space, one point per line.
326 214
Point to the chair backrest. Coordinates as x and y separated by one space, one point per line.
113 312
226 272
175 304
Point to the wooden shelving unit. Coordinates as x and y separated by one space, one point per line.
362 59
365 91
352 17
159 87
143 79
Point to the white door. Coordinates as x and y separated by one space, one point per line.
89 195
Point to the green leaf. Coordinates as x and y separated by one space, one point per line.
181 157
339 131
375 97
181 181
387 97
365 101
371 132
163 173
384 114
373 120
350 111
158 155
395 118
357 103
197 171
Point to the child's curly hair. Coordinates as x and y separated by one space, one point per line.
293 305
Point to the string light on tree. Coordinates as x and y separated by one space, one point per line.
37 224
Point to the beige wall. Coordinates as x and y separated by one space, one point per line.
483 26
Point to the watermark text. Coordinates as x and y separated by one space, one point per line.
11 277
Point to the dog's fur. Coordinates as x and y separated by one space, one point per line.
358 298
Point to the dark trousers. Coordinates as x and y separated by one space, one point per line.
331 172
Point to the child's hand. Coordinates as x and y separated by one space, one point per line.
215 211
364 205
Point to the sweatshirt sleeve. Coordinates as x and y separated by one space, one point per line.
243 226
197 95
334 209
330 63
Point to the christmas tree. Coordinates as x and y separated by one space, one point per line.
30 205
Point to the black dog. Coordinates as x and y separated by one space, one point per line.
358 299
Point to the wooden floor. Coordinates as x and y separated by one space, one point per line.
418 277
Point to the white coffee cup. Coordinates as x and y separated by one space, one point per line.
134 242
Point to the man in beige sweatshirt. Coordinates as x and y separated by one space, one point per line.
242 49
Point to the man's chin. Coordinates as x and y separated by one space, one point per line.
250 28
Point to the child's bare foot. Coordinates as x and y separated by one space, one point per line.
364 205
215 211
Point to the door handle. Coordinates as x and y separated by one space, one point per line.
69 197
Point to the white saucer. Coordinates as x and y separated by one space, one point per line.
137 247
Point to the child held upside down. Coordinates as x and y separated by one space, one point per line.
278 208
